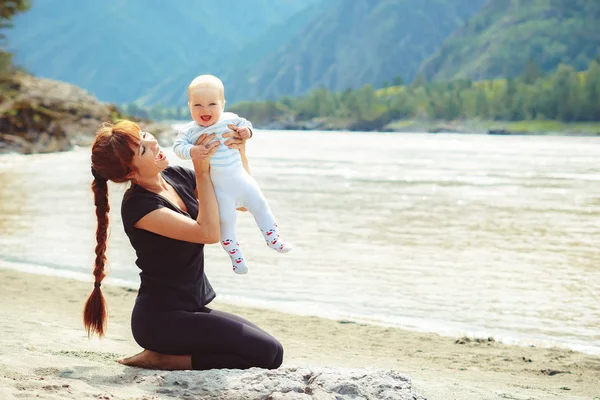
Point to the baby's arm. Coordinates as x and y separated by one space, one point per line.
185 148
182 146
243 122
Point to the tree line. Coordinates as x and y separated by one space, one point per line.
565 95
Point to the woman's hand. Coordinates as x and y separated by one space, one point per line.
238 136
203 149
202 152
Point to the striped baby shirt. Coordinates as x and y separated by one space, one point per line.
224 157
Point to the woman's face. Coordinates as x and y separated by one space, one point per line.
149 159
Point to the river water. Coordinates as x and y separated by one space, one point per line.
456 234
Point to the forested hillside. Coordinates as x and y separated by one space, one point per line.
357 42
565 95
124 50
499 40
236 67
147 51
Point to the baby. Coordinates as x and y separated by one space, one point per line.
234 187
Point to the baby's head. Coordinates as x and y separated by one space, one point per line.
206 99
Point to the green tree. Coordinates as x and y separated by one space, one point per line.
287 101
531 73
134 110
400 106
367 99
592 93
419 80
482 108
156 112
528 99
8 9
565 94
321 102
398 81
360 103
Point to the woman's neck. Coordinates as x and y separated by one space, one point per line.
156 184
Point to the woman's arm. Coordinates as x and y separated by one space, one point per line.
238 142
242 148
208 209
205 229
246 167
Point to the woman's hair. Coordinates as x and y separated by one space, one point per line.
112 156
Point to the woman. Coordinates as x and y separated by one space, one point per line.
169 213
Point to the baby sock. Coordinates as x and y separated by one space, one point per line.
237 257
275 242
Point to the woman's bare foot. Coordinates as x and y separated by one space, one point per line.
152 360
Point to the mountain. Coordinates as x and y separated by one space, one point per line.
148 50
172 90
356 42
120 50
499 41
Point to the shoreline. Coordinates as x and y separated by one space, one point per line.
476 127
42 333
10 145
230 301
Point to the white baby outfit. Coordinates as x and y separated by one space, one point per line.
234 188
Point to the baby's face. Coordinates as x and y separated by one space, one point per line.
206 105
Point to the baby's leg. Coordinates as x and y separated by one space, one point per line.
229 241
257 205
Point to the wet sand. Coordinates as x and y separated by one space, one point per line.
45 353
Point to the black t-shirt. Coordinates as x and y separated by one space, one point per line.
172 271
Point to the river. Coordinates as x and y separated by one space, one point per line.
456 234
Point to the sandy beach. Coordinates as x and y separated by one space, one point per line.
46 354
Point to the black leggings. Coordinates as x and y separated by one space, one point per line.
214 339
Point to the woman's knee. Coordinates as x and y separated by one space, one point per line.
270 354
278 359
